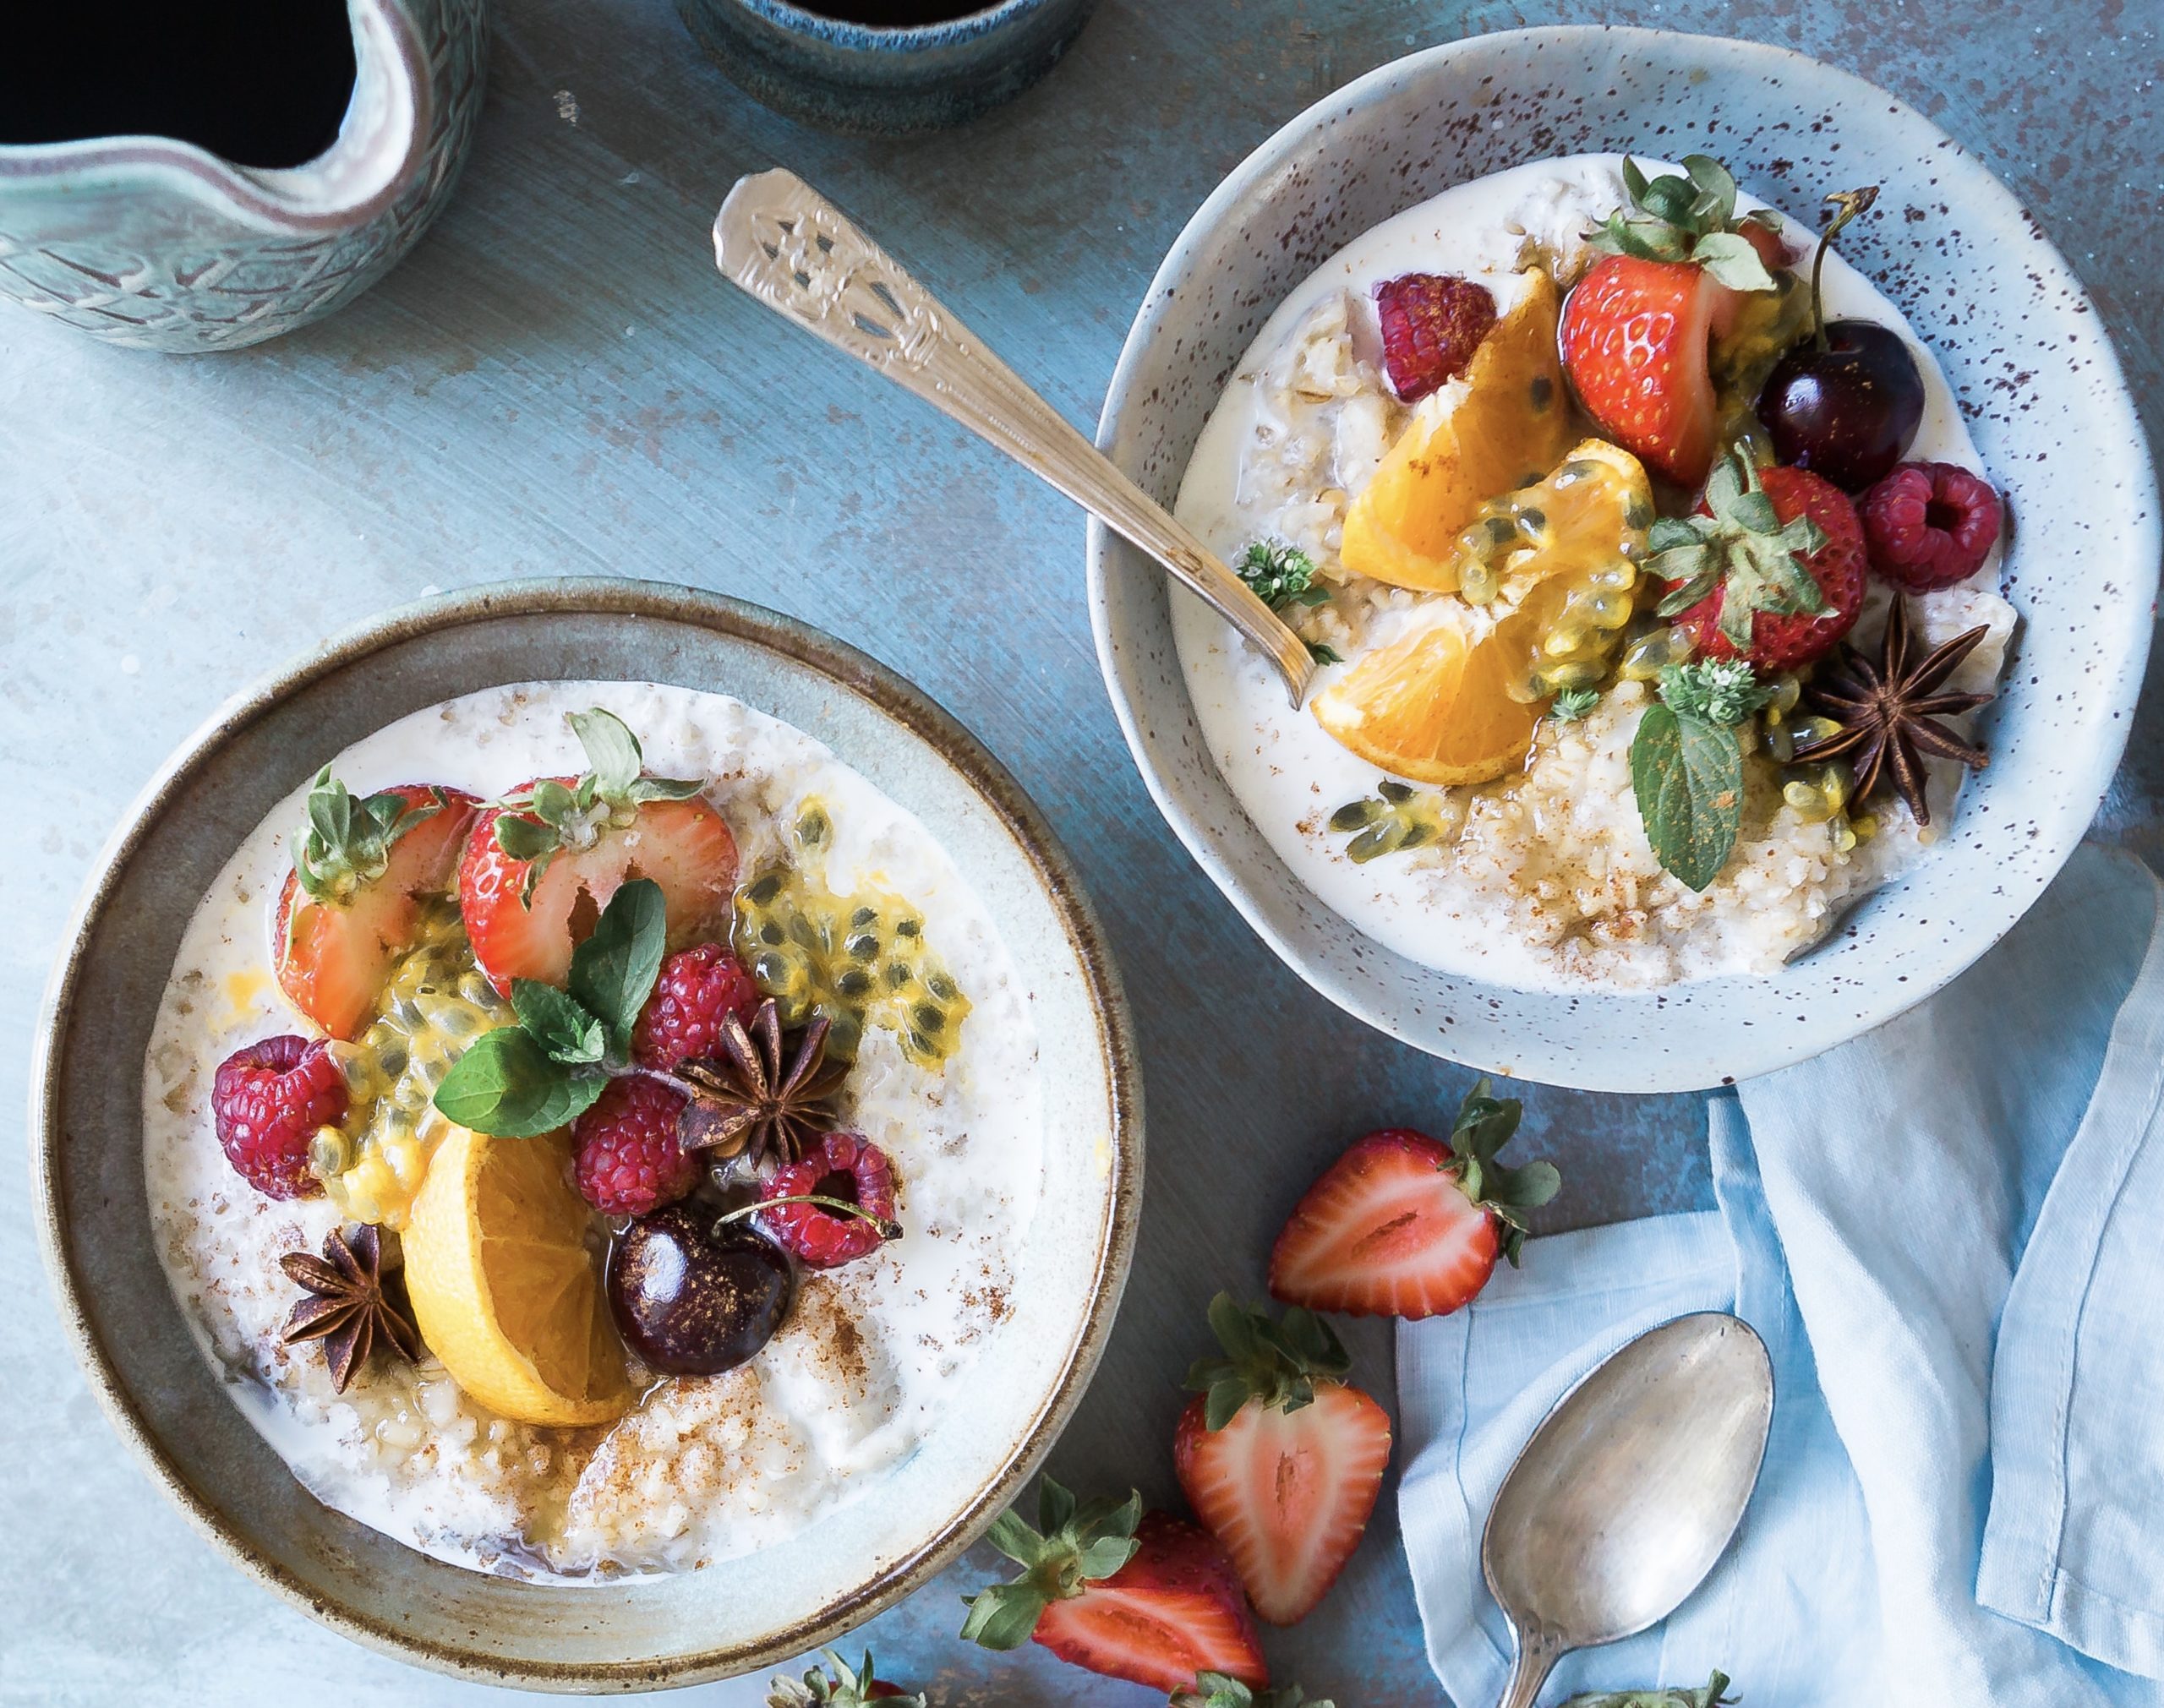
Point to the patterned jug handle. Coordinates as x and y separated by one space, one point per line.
783 241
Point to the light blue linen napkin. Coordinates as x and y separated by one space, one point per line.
1947 1234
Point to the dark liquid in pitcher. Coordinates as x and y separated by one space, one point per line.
263 82
895 14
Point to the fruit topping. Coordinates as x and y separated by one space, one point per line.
1887 711
1506 422
1771 568
347 1305
350 905
1125 1593
1637 327
1396 816
835 1686
765 1094
1687 765
1216 1690
1435 706
1432 325
1407 1225
627 1160
834 1206
1847 401
505 1289
694 1297
268 1099
1280 1458
538 863
434 1003
860 959
1929 525
1710 1696
698 989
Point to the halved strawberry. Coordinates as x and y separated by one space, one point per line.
1216 1691
1771 569
1407 1225
1127 1594
347 908
541 864
1637 328
1280 1457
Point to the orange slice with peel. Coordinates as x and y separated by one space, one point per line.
1435 706
1504 422
503 1287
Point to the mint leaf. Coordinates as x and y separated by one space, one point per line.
613 970
563 1028
1687 772
506 1086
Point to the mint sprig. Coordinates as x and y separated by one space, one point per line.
1691 218
1280 575
523 1080
1687 765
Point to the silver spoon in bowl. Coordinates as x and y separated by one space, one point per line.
1628 1492
787 245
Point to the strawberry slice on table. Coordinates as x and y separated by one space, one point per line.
1216 1691
1407 1225
1639 327
541 863
1129 1594
1280 1458
348 906
1771 569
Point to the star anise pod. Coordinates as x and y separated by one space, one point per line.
1887 711
763 1093
346 1306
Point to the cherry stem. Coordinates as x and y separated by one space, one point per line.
887 1229
1848 204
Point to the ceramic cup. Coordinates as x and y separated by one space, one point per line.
883 80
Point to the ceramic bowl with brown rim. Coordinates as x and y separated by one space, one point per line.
170 1406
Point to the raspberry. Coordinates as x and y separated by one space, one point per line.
1432 322
697 990
268 1099
1930 524
629 1162
844 1166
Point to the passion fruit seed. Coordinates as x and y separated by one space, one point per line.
1644 659
1396 818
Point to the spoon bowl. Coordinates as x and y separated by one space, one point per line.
1629 1491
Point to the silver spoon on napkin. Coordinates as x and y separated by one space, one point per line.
1628 1492
788 246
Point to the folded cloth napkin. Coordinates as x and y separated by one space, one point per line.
1947 1233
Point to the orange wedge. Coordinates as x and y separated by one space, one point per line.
1504 423
1436 705
504 1288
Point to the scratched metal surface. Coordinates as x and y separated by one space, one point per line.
556 381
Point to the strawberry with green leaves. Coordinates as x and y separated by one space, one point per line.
1280 1458
1126 1593
1710 1697
544 860
1216 1691
361 865
835 1686
1407 1225
1638 328
1770 570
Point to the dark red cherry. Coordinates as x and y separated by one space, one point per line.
1848 411
692 1298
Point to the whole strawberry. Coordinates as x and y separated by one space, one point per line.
1770 570
1407 1225
1129 1594
697 990
1281 1457
267 1099
835 1686
1637 327
628 1161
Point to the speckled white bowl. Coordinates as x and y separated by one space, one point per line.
2019 342
171 1412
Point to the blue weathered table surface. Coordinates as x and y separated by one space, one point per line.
557 382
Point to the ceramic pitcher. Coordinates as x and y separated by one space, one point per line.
159 245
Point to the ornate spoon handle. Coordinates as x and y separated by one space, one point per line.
786 244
